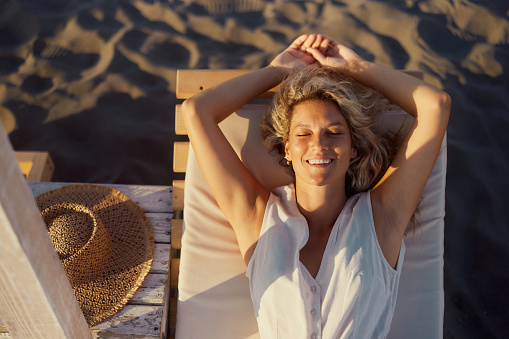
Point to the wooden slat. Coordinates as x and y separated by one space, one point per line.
176 233
178 195
161 258
180 127
26 167
37 300
173 312
161 226
174 272
36 166
190 82
137 320
164 334
151 292
180 153
43 167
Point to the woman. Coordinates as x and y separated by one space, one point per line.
320 265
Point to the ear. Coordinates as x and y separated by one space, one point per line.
354 152
287 149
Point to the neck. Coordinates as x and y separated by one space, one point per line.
320 205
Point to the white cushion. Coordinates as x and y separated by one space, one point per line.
214 299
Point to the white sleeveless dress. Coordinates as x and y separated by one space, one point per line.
352 296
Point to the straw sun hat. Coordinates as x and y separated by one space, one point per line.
105 244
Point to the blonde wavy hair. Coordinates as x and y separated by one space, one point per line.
359 105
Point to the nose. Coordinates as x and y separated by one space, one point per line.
320 142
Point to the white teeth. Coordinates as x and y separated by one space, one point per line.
319 161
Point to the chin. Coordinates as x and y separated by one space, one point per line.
319 181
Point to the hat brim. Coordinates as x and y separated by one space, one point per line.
132 248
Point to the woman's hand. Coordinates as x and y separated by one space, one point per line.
336 55
295 56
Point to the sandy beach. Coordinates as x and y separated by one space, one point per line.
93 83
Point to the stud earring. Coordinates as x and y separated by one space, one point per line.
288 162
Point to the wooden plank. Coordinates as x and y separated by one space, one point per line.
174 273
176 233
37 300
161 258
25 167
43 167
151 292
173 313
136 320
178 195
36 166
180 127
180 153
152 199
161 226
192 81
26 158
164 334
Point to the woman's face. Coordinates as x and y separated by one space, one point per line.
319 145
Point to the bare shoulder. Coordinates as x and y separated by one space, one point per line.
240 196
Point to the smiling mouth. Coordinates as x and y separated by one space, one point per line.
319 161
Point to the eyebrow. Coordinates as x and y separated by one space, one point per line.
334 124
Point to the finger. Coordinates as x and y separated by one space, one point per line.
309 42
324 45
317 41
299 41
317 55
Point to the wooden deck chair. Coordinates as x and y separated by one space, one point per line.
213 294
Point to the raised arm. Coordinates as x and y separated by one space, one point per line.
395 197
239 195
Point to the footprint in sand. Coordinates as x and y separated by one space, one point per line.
36 85
64 59
76 53
162 49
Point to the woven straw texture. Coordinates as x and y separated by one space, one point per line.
105 244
